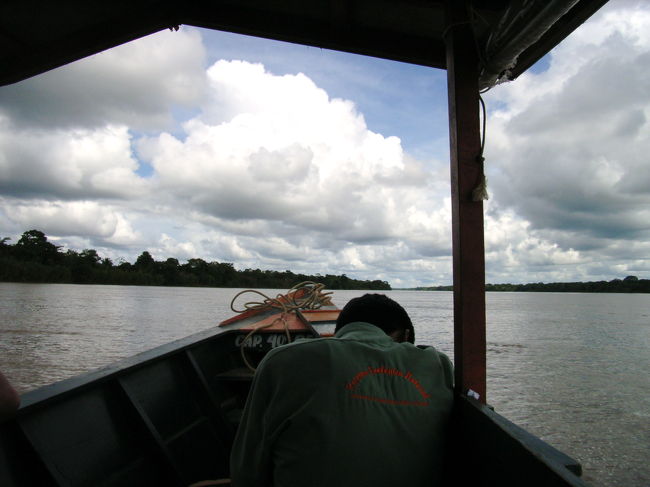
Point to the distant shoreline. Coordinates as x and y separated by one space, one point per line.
35 260
630 284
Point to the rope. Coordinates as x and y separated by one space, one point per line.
479 193
255 330
312 297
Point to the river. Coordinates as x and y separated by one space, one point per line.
570 368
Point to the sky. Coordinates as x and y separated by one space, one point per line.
276 156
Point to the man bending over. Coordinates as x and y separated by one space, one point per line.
365 408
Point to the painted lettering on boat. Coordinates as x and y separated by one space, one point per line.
264 341
250 342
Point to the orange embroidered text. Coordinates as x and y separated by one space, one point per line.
386 371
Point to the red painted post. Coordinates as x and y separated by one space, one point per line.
467 215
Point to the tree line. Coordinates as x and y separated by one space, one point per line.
34 259
630 284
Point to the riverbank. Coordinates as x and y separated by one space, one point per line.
631 284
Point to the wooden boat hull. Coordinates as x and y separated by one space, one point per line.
167 417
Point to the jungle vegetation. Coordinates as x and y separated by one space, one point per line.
34 259
630 284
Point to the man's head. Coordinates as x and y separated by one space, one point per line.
381 311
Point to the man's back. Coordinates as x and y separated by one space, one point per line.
355 410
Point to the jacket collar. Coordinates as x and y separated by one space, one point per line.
364 332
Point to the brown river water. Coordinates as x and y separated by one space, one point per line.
570 368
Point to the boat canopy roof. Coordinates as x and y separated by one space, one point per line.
39 35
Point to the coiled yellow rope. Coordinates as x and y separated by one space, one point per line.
312 297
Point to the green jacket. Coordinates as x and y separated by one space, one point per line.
355 410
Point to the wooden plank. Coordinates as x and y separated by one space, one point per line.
90 438
164 454
276 322
20 465
214 411
321 315
467 215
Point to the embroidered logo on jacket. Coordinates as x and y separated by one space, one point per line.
352 386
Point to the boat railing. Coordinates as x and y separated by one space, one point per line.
501 453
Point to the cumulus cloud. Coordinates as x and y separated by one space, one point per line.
89 219
69 164
136 84
280 150
570 144
149 147
269 171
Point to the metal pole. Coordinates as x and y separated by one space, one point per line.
467 215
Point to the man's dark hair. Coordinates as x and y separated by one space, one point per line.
378 310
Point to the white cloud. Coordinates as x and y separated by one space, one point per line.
136 84
283 151
271 171
72 163
89 219
170 246
567 149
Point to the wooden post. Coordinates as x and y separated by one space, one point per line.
467 215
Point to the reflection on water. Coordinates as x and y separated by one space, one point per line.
570 368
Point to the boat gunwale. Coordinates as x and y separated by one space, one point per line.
43 395
567 469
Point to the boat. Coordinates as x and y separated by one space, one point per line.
167 416
164 417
